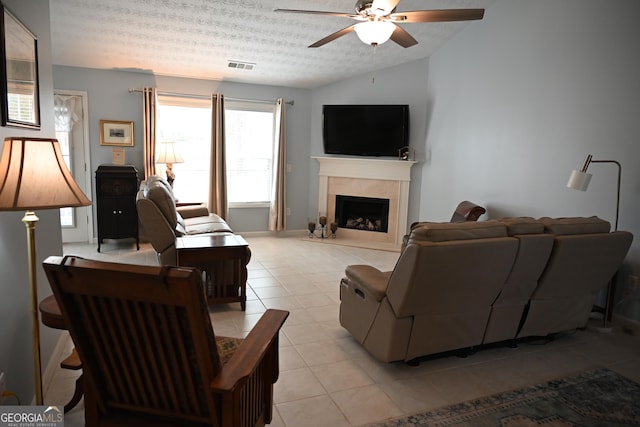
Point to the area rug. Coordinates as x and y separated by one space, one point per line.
594 398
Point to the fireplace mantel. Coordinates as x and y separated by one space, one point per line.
362 173
365 168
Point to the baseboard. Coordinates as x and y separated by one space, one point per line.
284 233
54 362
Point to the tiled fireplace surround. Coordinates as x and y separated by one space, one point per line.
364 177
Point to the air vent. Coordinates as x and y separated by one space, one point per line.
238 65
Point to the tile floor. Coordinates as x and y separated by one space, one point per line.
327 379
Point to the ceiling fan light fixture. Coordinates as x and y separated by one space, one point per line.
375 32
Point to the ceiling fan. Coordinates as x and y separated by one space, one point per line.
378 21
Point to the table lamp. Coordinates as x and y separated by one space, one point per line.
33 175
168 154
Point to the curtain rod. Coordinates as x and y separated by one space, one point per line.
186 95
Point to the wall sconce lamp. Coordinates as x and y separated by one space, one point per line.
579 180
33 175
168 154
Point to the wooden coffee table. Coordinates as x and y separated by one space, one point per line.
222 258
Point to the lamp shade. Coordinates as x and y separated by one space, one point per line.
33 175
579 180
168 153
375 32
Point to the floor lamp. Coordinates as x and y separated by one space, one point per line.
33 175
579 180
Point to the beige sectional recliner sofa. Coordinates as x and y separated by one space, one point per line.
162 221
584 258
460 285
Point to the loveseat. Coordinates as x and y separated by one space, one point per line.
162 221
461 285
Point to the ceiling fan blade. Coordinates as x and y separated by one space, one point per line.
386 6
402 37
334 36
440 15
319 12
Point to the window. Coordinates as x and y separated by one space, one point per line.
250 132
249 128
187 123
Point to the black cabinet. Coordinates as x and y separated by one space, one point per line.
116 188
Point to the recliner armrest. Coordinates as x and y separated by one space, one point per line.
192 211
370 280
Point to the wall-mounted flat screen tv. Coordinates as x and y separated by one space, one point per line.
365 130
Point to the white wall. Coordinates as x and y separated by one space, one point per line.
16 358
518 99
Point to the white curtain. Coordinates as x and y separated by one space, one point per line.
64 112
277 210
65 118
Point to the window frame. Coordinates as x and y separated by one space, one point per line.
257 106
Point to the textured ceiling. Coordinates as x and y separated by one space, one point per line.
197 38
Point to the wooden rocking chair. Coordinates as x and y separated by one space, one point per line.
148 350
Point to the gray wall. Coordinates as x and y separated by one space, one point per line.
405 84
16 356
516 102
109 98
502 113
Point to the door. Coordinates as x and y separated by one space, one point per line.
72 130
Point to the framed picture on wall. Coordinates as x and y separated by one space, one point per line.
115 132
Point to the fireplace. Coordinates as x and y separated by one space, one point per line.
362 213
368 178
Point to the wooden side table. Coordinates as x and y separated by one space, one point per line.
222 258
52 317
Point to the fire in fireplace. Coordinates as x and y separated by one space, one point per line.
362 213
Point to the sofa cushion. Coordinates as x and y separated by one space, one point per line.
446 231
522 225
206 224
575 225
227 347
